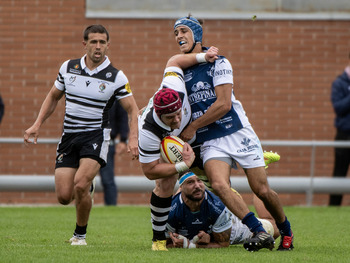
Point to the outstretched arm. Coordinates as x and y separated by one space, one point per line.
187 60
131 108
47 108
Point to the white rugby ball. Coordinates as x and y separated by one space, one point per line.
171 148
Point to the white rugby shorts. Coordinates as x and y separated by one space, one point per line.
243 147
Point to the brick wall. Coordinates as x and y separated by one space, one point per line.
283 71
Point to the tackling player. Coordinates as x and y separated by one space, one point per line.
167 114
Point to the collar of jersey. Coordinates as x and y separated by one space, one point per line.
160 123
96 70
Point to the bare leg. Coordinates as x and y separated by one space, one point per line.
88 168
264 214
257 179
218 173
64 182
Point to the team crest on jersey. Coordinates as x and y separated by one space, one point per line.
127 87
72 80
76 66
200 85
108 75
102 87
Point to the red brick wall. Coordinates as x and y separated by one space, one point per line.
283 71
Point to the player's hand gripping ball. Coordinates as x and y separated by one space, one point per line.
171 148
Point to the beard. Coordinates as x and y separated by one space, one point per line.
194 197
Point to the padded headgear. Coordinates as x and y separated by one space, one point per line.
166 101
193 24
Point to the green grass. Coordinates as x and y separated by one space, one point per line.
123 234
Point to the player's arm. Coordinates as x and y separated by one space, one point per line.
201 240
187 60
47 108
216 111
130 106
219 240
159 169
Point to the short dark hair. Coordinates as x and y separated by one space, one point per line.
95 29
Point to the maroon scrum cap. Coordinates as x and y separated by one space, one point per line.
166 101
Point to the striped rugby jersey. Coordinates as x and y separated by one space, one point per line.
90 94
151 129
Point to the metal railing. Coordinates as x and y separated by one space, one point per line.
308 185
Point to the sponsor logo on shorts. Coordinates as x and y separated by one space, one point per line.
245 141
247 148
257 158
95 146
60 158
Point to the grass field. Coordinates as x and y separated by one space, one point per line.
123 234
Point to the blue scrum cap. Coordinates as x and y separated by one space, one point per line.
185 177
193 25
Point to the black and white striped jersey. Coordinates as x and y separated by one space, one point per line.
151 129
90 94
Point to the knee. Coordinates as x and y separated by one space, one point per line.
64 199
80 189
265 193
165 187
220 185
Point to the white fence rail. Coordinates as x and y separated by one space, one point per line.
308 185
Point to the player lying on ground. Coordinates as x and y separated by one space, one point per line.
198 218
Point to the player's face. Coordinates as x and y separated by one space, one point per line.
173 120
193 188
96 48
184 38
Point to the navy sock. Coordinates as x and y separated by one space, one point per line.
284 228
253 223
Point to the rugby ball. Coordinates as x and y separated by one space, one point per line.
171 148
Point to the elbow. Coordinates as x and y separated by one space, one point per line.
150 176
227 107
